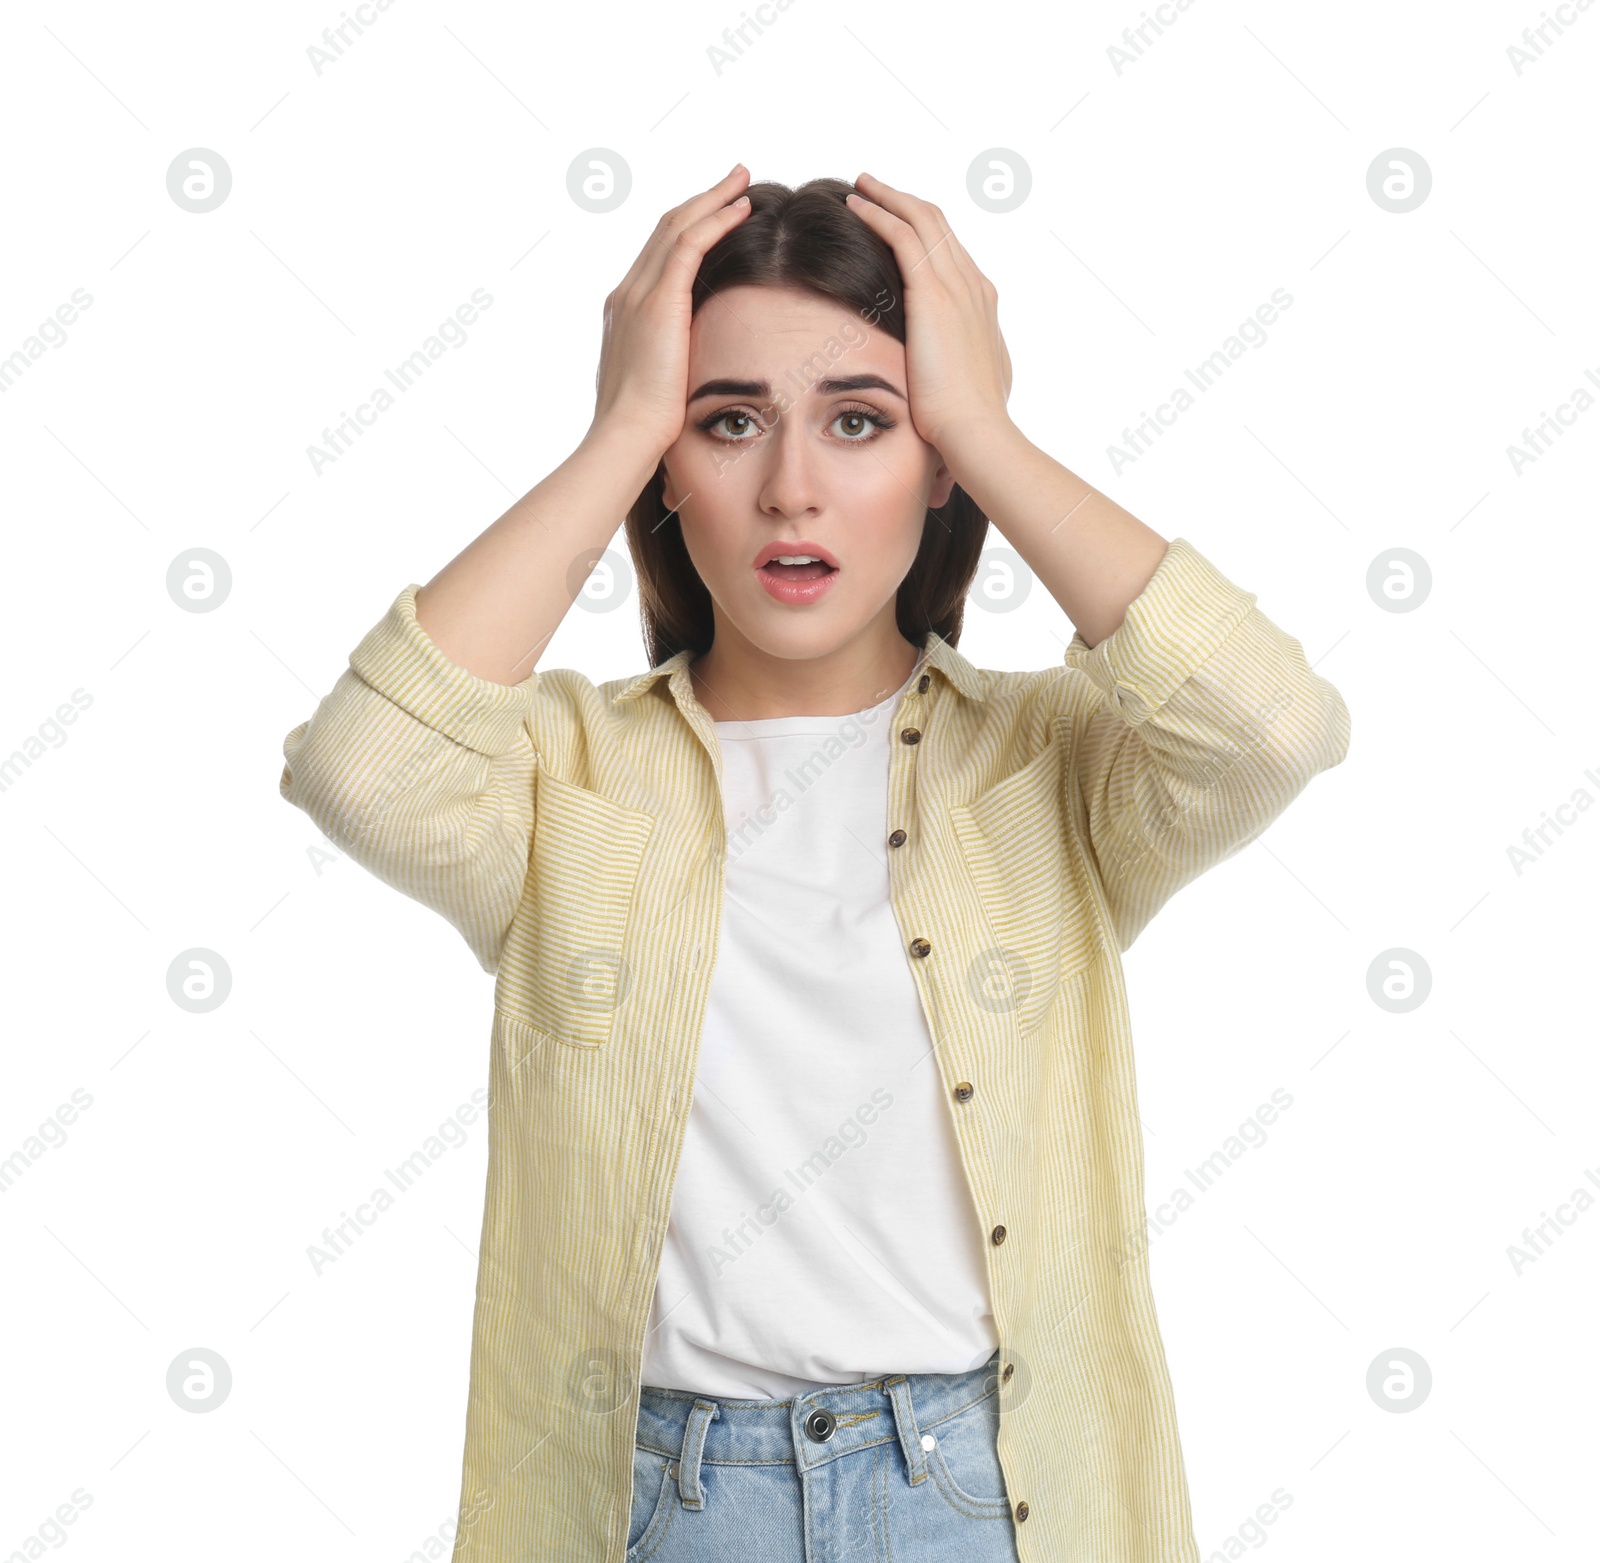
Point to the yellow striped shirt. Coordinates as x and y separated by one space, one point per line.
573 834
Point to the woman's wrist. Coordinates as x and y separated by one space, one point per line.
624 441
974 446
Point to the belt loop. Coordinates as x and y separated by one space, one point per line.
905 1418
694 1442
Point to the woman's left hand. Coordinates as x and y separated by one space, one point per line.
956 359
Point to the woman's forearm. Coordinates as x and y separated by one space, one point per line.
495 606
1092 556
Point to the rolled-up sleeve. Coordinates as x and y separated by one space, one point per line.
423 773
1210 721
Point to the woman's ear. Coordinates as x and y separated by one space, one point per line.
944 480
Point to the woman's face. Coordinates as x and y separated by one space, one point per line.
798 439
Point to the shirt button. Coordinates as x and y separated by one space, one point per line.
1022 1510
998 1236
920 947
922 684
929 1441
910 735
963 1092
897 838
1011 1368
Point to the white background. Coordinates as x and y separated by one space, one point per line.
1168 202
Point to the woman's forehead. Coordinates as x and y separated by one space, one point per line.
748 331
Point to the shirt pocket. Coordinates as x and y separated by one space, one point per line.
566 969
1027 866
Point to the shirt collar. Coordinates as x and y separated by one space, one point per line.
937 652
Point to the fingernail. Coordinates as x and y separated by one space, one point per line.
735 169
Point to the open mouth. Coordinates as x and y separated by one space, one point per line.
809 570
798 575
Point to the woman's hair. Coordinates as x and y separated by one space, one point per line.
808 239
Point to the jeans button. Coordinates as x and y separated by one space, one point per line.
819 1426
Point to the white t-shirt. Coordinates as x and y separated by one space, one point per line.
821 1229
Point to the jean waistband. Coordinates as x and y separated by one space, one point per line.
806 1430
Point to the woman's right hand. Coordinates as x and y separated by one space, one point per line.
643 379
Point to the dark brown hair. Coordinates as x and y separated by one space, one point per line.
803 238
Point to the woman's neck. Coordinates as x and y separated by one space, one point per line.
746 684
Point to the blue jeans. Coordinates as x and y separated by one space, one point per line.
902 1467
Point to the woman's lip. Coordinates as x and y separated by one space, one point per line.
796 592
772 550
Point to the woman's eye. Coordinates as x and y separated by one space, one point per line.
863 424
855 426
743 419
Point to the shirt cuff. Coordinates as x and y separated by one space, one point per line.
1187 609
397 658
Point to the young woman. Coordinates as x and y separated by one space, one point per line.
815 1218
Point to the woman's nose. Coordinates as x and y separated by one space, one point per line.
789 482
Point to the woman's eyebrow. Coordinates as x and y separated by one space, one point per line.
751 389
